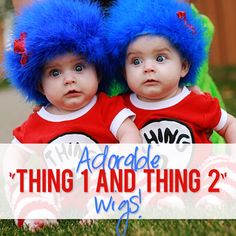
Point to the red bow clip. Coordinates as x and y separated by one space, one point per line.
182 15
19 48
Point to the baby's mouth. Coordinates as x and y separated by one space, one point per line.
73 92
151 81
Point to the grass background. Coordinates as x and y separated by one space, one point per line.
225 79
136 227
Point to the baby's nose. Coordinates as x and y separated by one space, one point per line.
149 67
69 78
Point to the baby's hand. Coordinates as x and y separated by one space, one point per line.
195 89
36 108
36 225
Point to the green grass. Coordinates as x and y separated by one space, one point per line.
136 227
226 81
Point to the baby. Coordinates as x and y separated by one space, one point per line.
161 46
56 60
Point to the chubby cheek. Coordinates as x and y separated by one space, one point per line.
91 85
133 75
47 84
52 95
51 90
93 90
134 86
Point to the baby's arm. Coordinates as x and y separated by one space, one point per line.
117 117
229 130
128 132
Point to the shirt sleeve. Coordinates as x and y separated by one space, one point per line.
214 117
23 133
114 112
222 121
19 134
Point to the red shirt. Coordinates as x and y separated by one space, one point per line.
180 119
97 122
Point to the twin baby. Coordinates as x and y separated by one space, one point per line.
61 50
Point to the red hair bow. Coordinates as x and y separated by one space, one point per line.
182 15
19 48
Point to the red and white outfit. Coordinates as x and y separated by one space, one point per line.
183 118
97 122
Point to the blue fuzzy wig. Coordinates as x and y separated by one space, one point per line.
49 28
130 19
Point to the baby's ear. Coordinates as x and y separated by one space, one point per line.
185 68
40 88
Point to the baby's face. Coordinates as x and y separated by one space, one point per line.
69 82
154 68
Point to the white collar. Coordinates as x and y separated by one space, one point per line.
70 116
160 104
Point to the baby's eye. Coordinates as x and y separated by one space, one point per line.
137 61
54 73
160 58
79 67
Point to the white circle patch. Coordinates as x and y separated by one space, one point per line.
166 131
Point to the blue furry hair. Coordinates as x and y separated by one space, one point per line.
130 19
53 28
